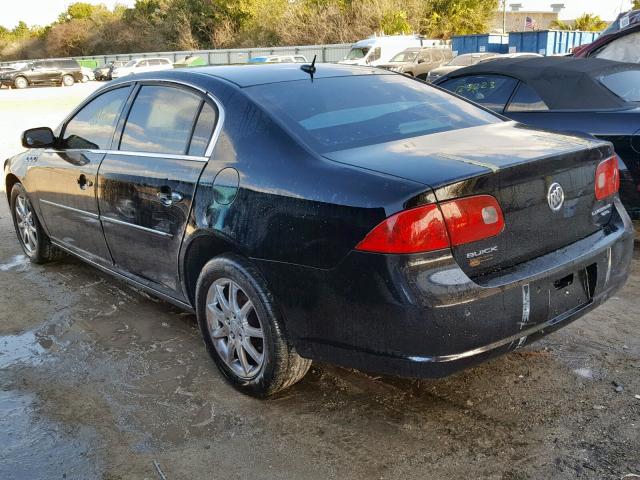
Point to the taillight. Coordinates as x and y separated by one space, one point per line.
472 218
434 227
417 230
607 178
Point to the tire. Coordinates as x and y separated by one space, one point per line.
35 244
20 82
276 365
68 80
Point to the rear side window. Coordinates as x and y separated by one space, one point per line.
491 91
92 127
337 113
160 121
526 100
625 85
203 130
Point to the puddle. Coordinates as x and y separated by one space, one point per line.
35 448
15 261
26 348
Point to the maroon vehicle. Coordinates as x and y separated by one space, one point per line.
618 42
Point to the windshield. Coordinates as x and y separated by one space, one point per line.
407 56
462 61
357 53
130 63
625 84
331 114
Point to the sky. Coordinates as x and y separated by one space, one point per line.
43 12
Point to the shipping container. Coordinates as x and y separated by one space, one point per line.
461 44
549 42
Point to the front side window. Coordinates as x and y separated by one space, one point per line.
338 113
160 120
526 99
357 53
92 127
406 56
624 84
491 91
375 55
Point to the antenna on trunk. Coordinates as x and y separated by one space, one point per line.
310 69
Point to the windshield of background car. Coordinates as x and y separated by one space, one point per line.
131 63
339 113
405 57
624 84
357 53
462 61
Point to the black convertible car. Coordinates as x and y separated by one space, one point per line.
598 97
338 213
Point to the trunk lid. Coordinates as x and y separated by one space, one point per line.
515 164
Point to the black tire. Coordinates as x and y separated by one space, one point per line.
43 251
20 82
68 80
282 366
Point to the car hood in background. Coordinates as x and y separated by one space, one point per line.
440 71
442 158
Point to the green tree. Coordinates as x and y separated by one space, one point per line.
636 5
560 25
395 22
445 18
589 23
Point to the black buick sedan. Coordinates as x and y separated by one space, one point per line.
346 214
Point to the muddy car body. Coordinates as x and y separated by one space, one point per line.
312 222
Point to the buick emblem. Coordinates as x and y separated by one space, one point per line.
555 197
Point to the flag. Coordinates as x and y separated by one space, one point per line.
530 23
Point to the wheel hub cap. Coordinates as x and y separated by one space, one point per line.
235 328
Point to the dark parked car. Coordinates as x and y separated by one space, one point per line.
621 46
619 41
404 231
418 62
44 72
598 97
104 72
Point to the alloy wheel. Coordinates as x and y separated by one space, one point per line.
26 224
235 328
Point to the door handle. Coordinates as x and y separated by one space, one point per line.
168 197
83 182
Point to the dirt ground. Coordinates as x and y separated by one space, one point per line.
98 380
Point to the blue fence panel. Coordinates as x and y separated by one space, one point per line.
461 44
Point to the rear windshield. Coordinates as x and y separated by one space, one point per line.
625 84
338 113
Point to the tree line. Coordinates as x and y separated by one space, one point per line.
156 25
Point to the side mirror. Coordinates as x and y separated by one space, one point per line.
41 137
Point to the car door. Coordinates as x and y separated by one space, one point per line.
146 187
141 67
40 73
490 91
66 176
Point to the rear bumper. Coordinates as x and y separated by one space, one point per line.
422 316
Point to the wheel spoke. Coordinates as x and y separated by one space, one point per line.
251 350
220 332
253 331
245 310
224 304
233 297
33 241
231 345
242 356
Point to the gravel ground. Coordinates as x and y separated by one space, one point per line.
98 380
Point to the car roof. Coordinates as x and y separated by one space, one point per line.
556 79
250 75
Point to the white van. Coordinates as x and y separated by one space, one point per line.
142 65
379 49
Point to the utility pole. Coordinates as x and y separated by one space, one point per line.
504 16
